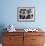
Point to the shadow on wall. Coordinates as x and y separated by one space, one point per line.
2 26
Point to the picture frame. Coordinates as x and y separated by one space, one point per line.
26 14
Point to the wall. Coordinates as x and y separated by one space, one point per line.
8 13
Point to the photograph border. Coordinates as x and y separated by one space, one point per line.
25 20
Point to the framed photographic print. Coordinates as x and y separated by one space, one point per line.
26 14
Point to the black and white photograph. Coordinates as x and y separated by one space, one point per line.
26 14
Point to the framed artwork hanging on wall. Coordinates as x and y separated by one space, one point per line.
26 14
